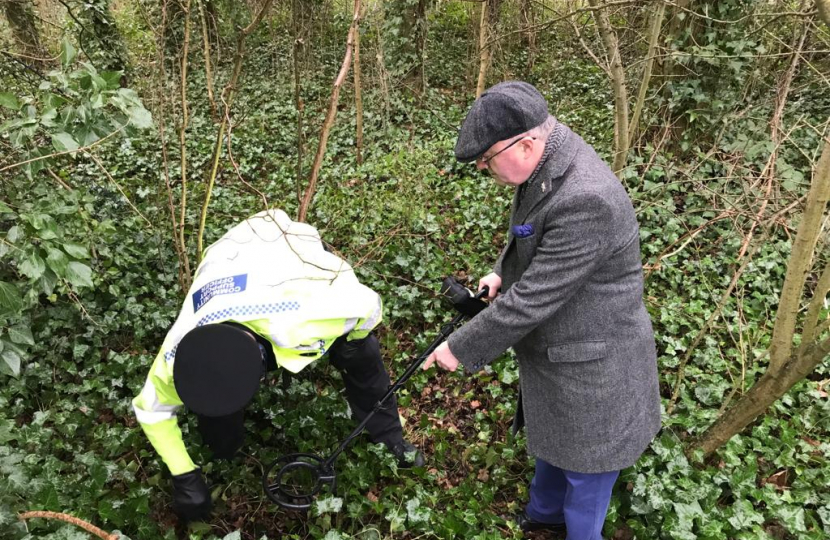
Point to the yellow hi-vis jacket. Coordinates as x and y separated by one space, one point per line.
273 276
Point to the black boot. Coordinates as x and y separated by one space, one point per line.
407 454
527 524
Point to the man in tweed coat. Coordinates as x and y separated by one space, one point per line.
571 306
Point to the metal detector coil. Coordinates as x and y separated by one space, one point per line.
294 480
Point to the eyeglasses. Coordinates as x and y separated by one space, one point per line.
486 160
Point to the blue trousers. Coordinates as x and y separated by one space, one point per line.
580 500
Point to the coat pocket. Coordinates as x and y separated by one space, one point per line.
526 249
577 351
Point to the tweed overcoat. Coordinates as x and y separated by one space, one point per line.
572 308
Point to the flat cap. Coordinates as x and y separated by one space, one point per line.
217 369
502 111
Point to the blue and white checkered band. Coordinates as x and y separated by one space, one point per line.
244 311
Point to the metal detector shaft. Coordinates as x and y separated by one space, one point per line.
445 332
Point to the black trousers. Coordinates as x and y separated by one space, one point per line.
364 375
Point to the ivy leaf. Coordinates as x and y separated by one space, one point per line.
68 52
33 266
9 101
12 359
140 117
76 250
64 142
21 334
329 505
57 260
744 515
10 299
79 274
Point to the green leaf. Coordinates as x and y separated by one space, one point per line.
12 359
21 334
68 52
32 266
5 208
63 141
57 260
140 117
113 78
76 250
10 299
79 274
9 101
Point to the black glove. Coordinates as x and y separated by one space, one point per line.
462 298
191 498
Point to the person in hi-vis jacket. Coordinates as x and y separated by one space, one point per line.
266 295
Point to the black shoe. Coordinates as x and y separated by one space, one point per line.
400 452
527 524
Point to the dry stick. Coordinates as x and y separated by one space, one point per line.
691 234
58 179
609 38
775 128
712 318
235 166
600 64
89 527
227 101
654 36
206 50
358 95
111 179
56 154
769 172
329 121
183 127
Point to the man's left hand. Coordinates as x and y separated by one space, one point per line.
444 357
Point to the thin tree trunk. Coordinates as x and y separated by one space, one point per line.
183 125
206 49
609 38
786 367
160 112
297 25
484 53
800 261
653 38
227 99
358 95
769 389
528 19
329 121
421 45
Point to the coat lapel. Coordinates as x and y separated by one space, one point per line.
547 180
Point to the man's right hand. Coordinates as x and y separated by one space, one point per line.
191 498
492 280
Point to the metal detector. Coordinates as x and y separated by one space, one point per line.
293 481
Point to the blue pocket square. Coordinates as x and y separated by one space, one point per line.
522 231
